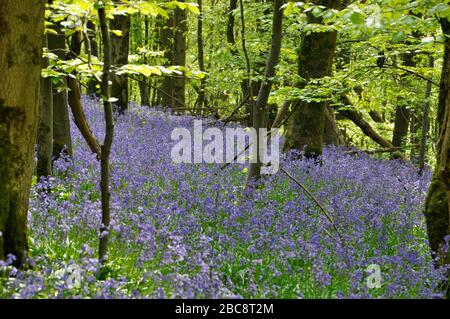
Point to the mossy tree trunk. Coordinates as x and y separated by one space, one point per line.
436 206
425 120
119 48
22 26
331 133
315 59
401 124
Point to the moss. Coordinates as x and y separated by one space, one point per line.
15 237
313 151
12 216
4 189
436 212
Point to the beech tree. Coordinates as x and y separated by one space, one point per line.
22 25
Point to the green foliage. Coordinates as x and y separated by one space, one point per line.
394 27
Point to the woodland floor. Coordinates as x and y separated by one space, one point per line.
186 230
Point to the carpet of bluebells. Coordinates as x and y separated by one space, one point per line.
190 230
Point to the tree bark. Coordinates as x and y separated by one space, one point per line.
92 84
230 26
109 135
167 46
144 89
179 58
260 107
331 133
62 138
74 98
22 26
315 59
354 116
119 50
425 119
403 115
201 99
401 125
436 206
45 129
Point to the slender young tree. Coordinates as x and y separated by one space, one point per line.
166 36
259 111
201 99
22 25
144 89
109 136
179 57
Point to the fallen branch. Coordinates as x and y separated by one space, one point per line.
356 117
376 151
324 211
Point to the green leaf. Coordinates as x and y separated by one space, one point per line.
328 14
99 5
118 33
316 12
357 17
398 36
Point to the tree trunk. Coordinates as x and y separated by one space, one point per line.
401 124
331 134
260 107
179 58
315 59
425 120
167 47
119 50
92 84
45 129
62 139
109 135
403 110
74 99
230 26
356 117
436 206
22 25
201 99
144 88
